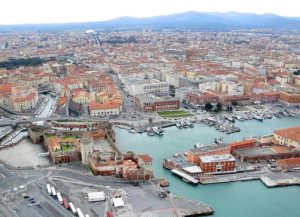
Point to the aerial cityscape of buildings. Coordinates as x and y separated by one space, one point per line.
69 97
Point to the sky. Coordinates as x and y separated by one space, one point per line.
62 11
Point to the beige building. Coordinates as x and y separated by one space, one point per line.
289 137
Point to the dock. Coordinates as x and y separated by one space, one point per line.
272 183
185 176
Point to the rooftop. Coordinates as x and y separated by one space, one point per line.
292 133
150 98
209 148
258 151
217 158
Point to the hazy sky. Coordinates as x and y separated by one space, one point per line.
59 11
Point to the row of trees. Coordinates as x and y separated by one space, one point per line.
16 63
208 106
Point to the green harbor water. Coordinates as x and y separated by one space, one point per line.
238 199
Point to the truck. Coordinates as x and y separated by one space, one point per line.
72 208
66 204
109 214
80 214
53 191
60 200
96 196
49 189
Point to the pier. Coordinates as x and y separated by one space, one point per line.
185 176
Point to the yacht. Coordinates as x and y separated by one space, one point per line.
150 132
258 117
184 124
158 131
179 125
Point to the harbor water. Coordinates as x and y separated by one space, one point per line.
237 199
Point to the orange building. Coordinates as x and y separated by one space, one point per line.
289 164
195 153
249 143
287 97
217 163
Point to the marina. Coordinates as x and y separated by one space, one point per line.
178 141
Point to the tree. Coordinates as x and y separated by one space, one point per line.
229 108
208 106
219 106
234 103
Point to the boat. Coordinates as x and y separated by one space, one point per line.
176 154
240 118
179 125
269 116
140 130
150 132
158 131
189 124
164 183
184 124
219 140
186 154
229 118
257 117
198 145
132 131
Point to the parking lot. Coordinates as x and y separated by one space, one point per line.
24 154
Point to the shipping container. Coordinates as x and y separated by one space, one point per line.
49 189
73 208
80 214
96 196
60 200
53 191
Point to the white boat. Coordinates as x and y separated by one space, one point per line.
219 140
176 155
184 124
189 124
179 125
198 145
150 132
132 131
158 131
257 117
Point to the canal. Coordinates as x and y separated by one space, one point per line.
239 199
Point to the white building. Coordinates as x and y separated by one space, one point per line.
180 93
215 86
137 87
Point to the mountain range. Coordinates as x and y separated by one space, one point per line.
176 22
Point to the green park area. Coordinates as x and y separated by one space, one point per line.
174 114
